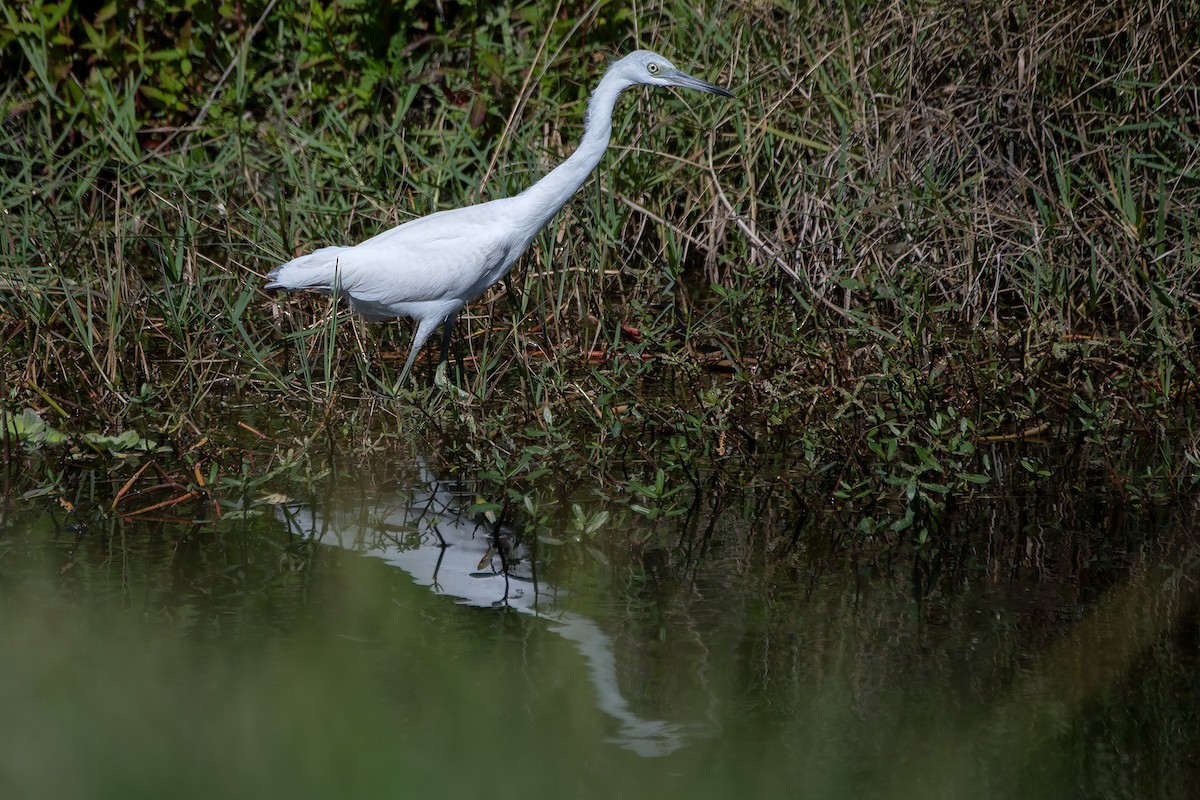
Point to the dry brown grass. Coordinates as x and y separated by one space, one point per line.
1027 162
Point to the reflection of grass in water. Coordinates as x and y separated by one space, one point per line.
250 663
1104 651
1082 715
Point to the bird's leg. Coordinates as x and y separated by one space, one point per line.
439 376
514 295
447 329
424 329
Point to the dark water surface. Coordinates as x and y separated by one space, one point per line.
333 648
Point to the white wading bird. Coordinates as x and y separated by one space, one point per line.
430 267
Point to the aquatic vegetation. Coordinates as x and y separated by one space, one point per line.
34 433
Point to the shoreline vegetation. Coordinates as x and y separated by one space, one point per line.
933 252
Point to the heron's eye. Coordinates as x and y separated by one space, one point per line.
652 68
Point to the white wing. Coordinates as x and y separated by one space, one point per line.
454 254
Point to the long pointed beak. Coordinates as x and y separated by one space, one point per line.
689 82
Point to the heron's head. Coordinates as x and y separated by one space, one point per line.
646 66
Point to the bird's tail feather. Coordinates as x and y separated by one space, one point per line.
315 271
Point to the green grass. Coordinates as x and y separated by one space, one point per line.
922 231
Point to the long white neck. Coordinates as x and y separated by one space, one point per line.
547 196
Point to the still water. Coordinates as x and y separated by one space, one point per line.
369 643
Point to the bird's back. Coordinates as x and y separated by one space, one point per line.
451 255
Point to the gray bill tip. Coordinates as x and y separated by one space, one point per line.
691 82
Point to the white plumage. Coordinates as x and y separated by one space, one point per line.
430 267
